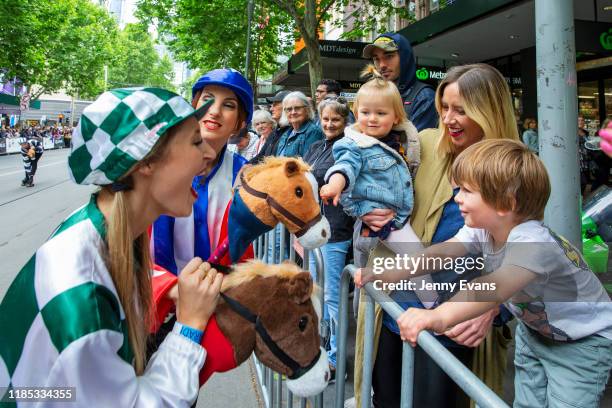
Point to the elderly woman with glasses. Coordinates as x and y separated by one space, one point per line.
264 125
303 132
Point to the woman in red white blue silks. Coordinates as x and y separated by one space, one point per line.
175 241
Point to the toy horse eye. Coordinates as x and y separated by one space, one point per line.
303 323
299 192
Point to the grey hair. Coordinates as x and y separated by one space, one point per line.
336 105
261 115
300 96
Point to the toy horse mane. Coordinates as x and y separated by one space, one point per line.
247 271
272 162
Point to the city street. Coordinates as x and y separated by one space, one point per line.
29 215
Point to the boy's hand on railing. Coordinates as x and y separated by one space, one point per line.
362 276
414 320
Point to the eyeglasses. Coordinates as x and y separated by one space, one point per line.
262 123
289 109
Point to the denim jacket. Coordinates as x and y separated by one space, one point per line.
377 176
297 143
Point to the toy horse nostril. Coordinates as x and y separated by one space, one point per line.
324 233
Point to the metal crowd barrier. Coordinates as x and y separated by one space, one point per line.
468 381
272 382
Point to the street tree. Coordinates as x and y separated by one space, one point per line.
310 15
54 45
212 34
136 62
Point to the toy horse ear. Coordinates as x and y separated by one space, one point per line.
291 168
300 287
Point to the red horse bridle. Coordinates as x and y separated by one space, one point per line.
303 226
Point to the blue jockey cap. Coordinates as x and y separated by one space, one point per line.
232 79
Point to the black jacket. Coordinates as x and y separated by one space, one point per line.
269 147
320 157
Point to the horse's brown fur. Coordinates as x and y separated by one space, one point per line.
281 296
279 177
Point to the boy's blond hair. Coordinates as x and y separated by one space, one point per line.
379 86
486 100
508 176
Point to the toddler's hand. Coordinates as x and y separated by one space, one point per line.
329 192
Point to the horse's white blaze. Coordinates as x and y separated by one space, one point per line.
314 380
313 184
317 235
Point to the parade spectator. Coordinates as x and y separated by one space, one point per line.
584 156
334 116
473 103
297 139
372 161
327 87
530 135
264 125
243 143
393 57
177 240
76 316
562 357
270 146
302 132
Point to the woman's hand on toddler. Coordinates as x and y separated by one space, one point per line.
378 218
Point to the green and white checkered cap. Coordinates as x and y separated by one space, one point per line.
120 128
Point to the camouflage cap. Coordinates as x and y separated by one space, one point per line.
384 43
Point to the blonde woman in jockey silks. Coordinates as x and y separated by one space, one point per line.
175 241
78 313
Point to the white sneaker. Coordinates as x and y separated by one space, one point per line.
349 403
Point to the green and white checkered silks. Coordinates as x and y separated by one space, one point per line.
119 129
56 300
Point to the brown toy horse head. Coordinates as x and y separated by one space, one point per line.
282 189
269 310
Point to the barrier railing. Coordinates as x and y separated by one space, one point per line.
468 381
272 382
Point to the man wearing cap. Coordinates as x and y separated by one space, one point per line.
243 143
269 148
393 57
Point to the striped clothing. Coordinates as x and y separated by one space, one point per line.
62 325
175 241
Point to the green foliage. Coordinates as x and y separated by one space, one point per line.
136 62
376 17
212 34
56 44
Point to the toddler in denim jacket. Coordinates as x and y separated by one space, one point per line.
374 159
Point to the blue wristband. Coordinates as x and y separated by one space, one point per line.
192 334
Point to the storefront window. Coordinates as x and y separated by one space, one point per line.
608 97
588 105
